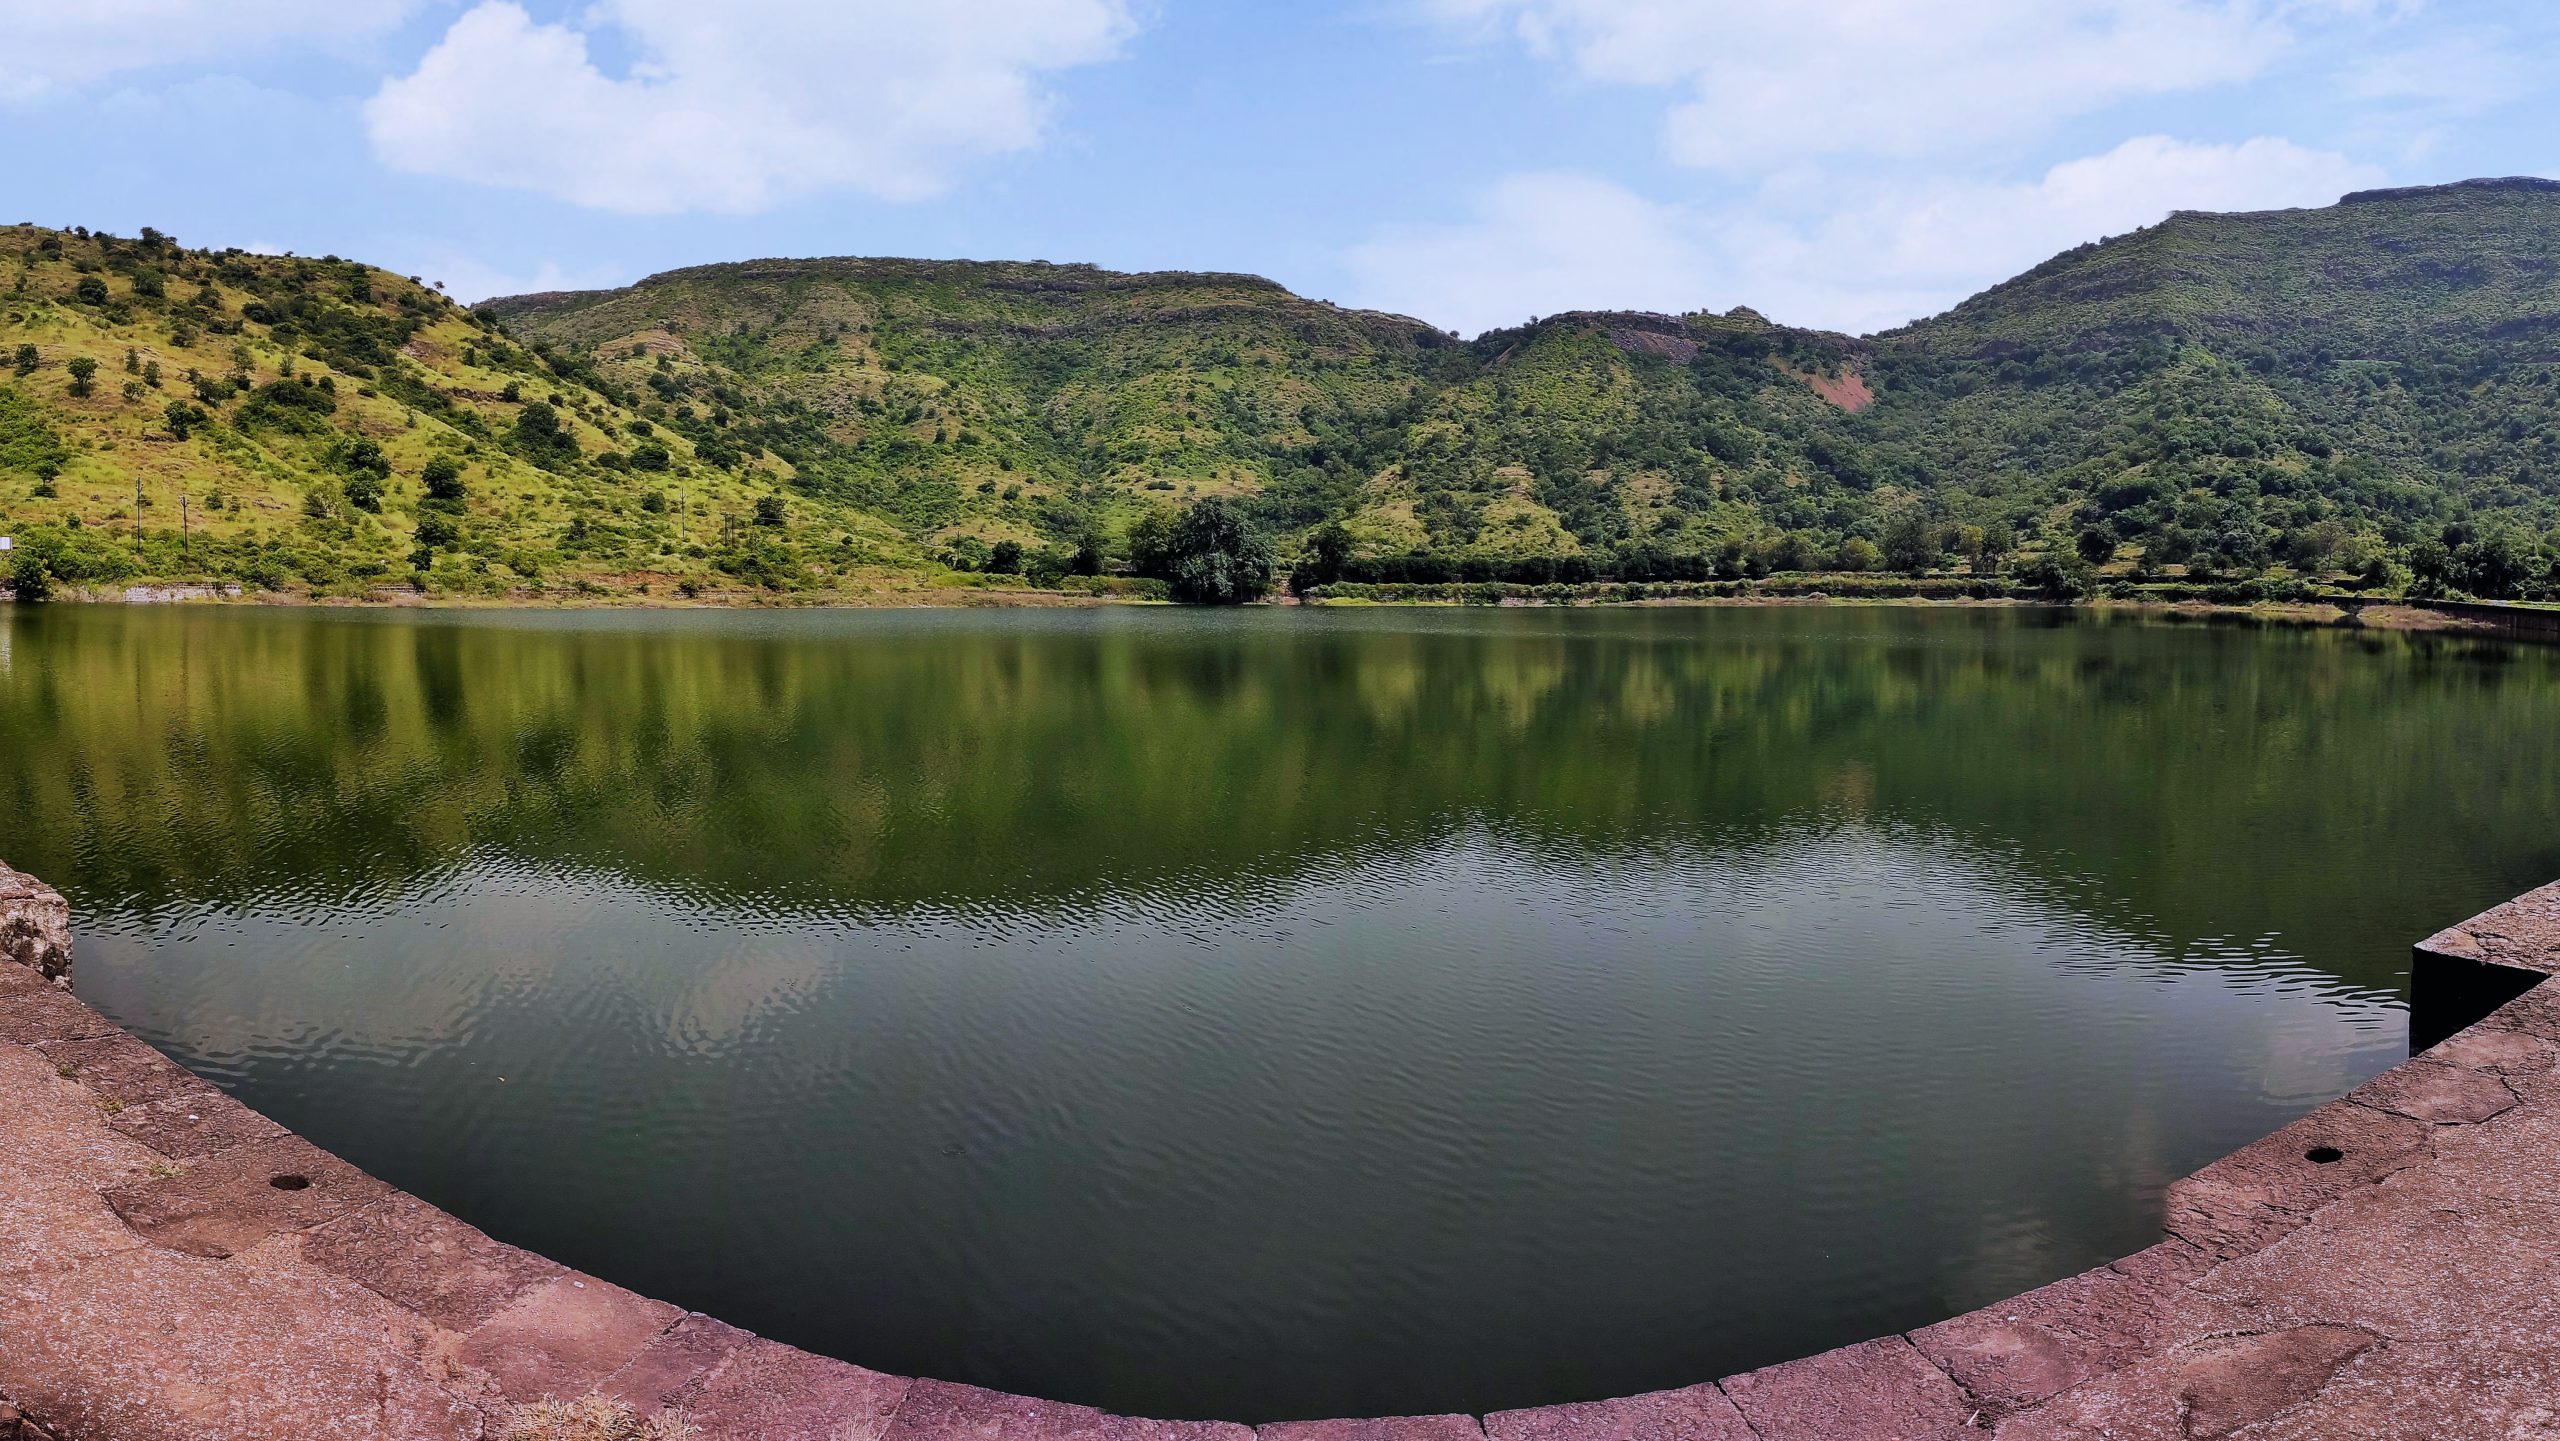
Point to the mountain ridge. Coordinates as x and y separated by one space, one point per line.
2363 390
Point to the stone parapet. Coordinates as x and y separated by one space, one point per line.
175 1267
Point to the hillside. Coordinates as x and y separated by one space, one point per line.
319 426
2361 392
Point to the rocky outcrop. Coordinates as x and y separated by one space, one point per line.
35 928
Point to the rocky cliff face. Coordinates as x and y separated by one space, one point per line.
35 926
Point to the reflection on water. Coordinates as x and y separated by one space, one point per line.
1276 1014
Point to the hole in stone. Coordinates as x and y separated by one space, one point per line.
291 1183
2324 1155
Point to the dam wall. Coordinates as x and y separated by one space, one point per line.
177 1267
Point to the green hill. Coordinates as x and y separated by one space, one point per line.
2362 392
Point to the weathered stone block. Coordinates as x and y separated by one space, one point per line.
35 926
1881 1390
2436 1092
2200 1391
193 1124
1694 1413
2011 1355
679 1358
407 1251
1379 1428
232 1201
2270 1186
123 1071
564 1337
766 1391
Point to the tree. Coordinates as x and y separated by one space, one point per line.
1911 544
1857 553
651 456
91 290
2095 546
182 419
2496 564
2058 575
1088 556
83 370
1151 544
540 436
770 512
2430 569
364 491
442 478
1217 557
28 358
1005 558
1328 550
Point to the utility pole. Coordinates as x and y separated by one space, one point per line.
186 534
137 513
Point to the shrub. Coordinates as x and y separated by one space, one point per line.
31 575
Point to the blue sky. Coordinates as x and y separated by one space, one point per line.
1855 163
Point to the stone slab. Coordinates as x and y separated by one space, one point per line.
2422 1258
766 1391
31 1015
120 1070
2436 1092
947 1411
2399 1392
54 1126
152 1345
194 1124
2012 1355
2523 934
2200 1391
229 1202
409 1252
48 1219
1693 1413
561 1338
679 1358
2268 1187
1882 1390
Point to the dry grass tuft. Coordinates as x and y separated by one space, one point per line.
594 1418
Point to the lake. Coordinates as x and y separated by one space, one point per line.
1283 1013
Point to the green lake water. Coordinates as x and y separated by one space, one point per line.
1285 1013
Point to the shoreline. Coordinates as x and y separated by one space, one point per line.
2382 614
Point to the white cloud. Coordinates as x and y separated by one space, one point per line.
735 106
1773 85
471 281
1537 245
52 46
1891 253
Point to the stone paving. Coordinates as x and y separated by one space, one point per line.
174 1267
